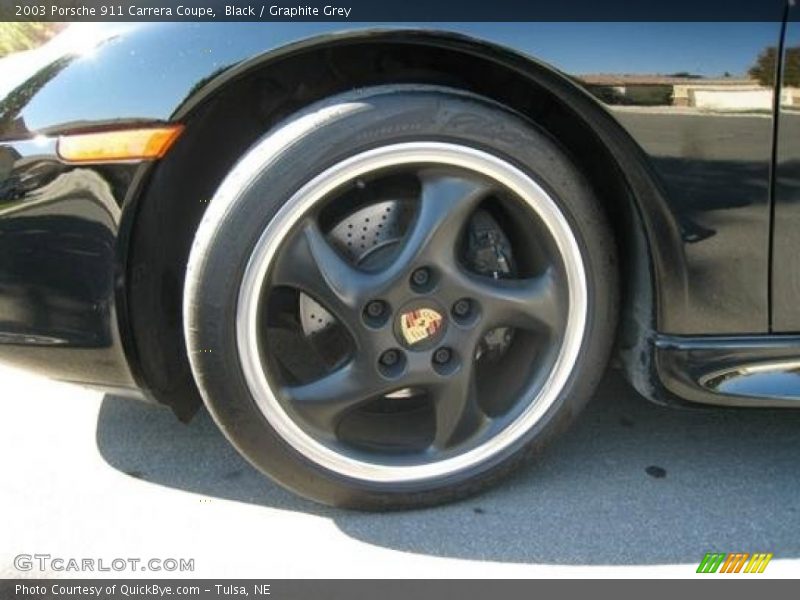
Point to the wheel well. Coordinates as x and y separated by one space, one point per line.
219 129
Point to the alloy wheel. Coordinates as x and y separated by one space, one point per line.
409 379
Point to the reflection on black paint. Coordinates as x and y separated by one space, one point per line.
58 244
56 256
710 186
13 105
47 293
786 233
57 240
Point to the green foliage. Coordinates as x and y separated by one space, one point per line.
791 68
15 37
764 69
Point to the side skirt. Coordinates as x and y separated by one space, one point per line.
749 370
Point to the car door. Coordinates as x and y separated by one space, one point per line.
786 228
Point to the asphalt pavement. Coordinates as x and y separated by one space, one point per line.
632 490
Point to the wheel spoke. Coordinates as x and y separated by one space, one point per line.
324 401
310 264
534 303
457 411
445 204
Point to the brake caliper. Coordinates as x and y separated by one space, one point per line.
489 253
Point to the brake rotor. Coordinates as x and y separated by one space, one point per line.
364 237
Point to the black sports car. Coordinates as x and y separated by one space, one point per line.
395 261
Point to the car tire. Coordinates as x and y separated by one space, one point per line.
271 222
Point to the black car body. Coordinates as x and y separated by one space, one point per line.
696 164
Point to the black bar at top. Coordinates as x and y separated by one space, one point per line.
397 10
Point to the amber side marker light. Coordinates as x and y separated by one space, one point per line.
126 144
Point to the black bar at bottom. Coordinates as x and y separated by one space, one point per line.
366 589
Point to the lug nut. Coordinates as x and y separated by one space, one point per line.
442 356
462 307
375 309
390 358
421 277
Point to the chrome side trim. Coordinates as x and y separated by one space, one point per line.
751 370
775 380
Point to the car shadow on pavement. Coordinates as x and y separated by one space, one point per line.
630 484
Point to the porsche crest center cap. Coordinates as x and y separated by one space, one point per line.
420 326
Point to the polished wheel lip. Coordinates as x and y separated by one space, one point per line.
299 205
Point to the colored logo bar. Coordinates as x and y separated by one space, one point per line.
735 562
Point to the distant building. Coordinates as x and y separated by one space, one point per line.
727 93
